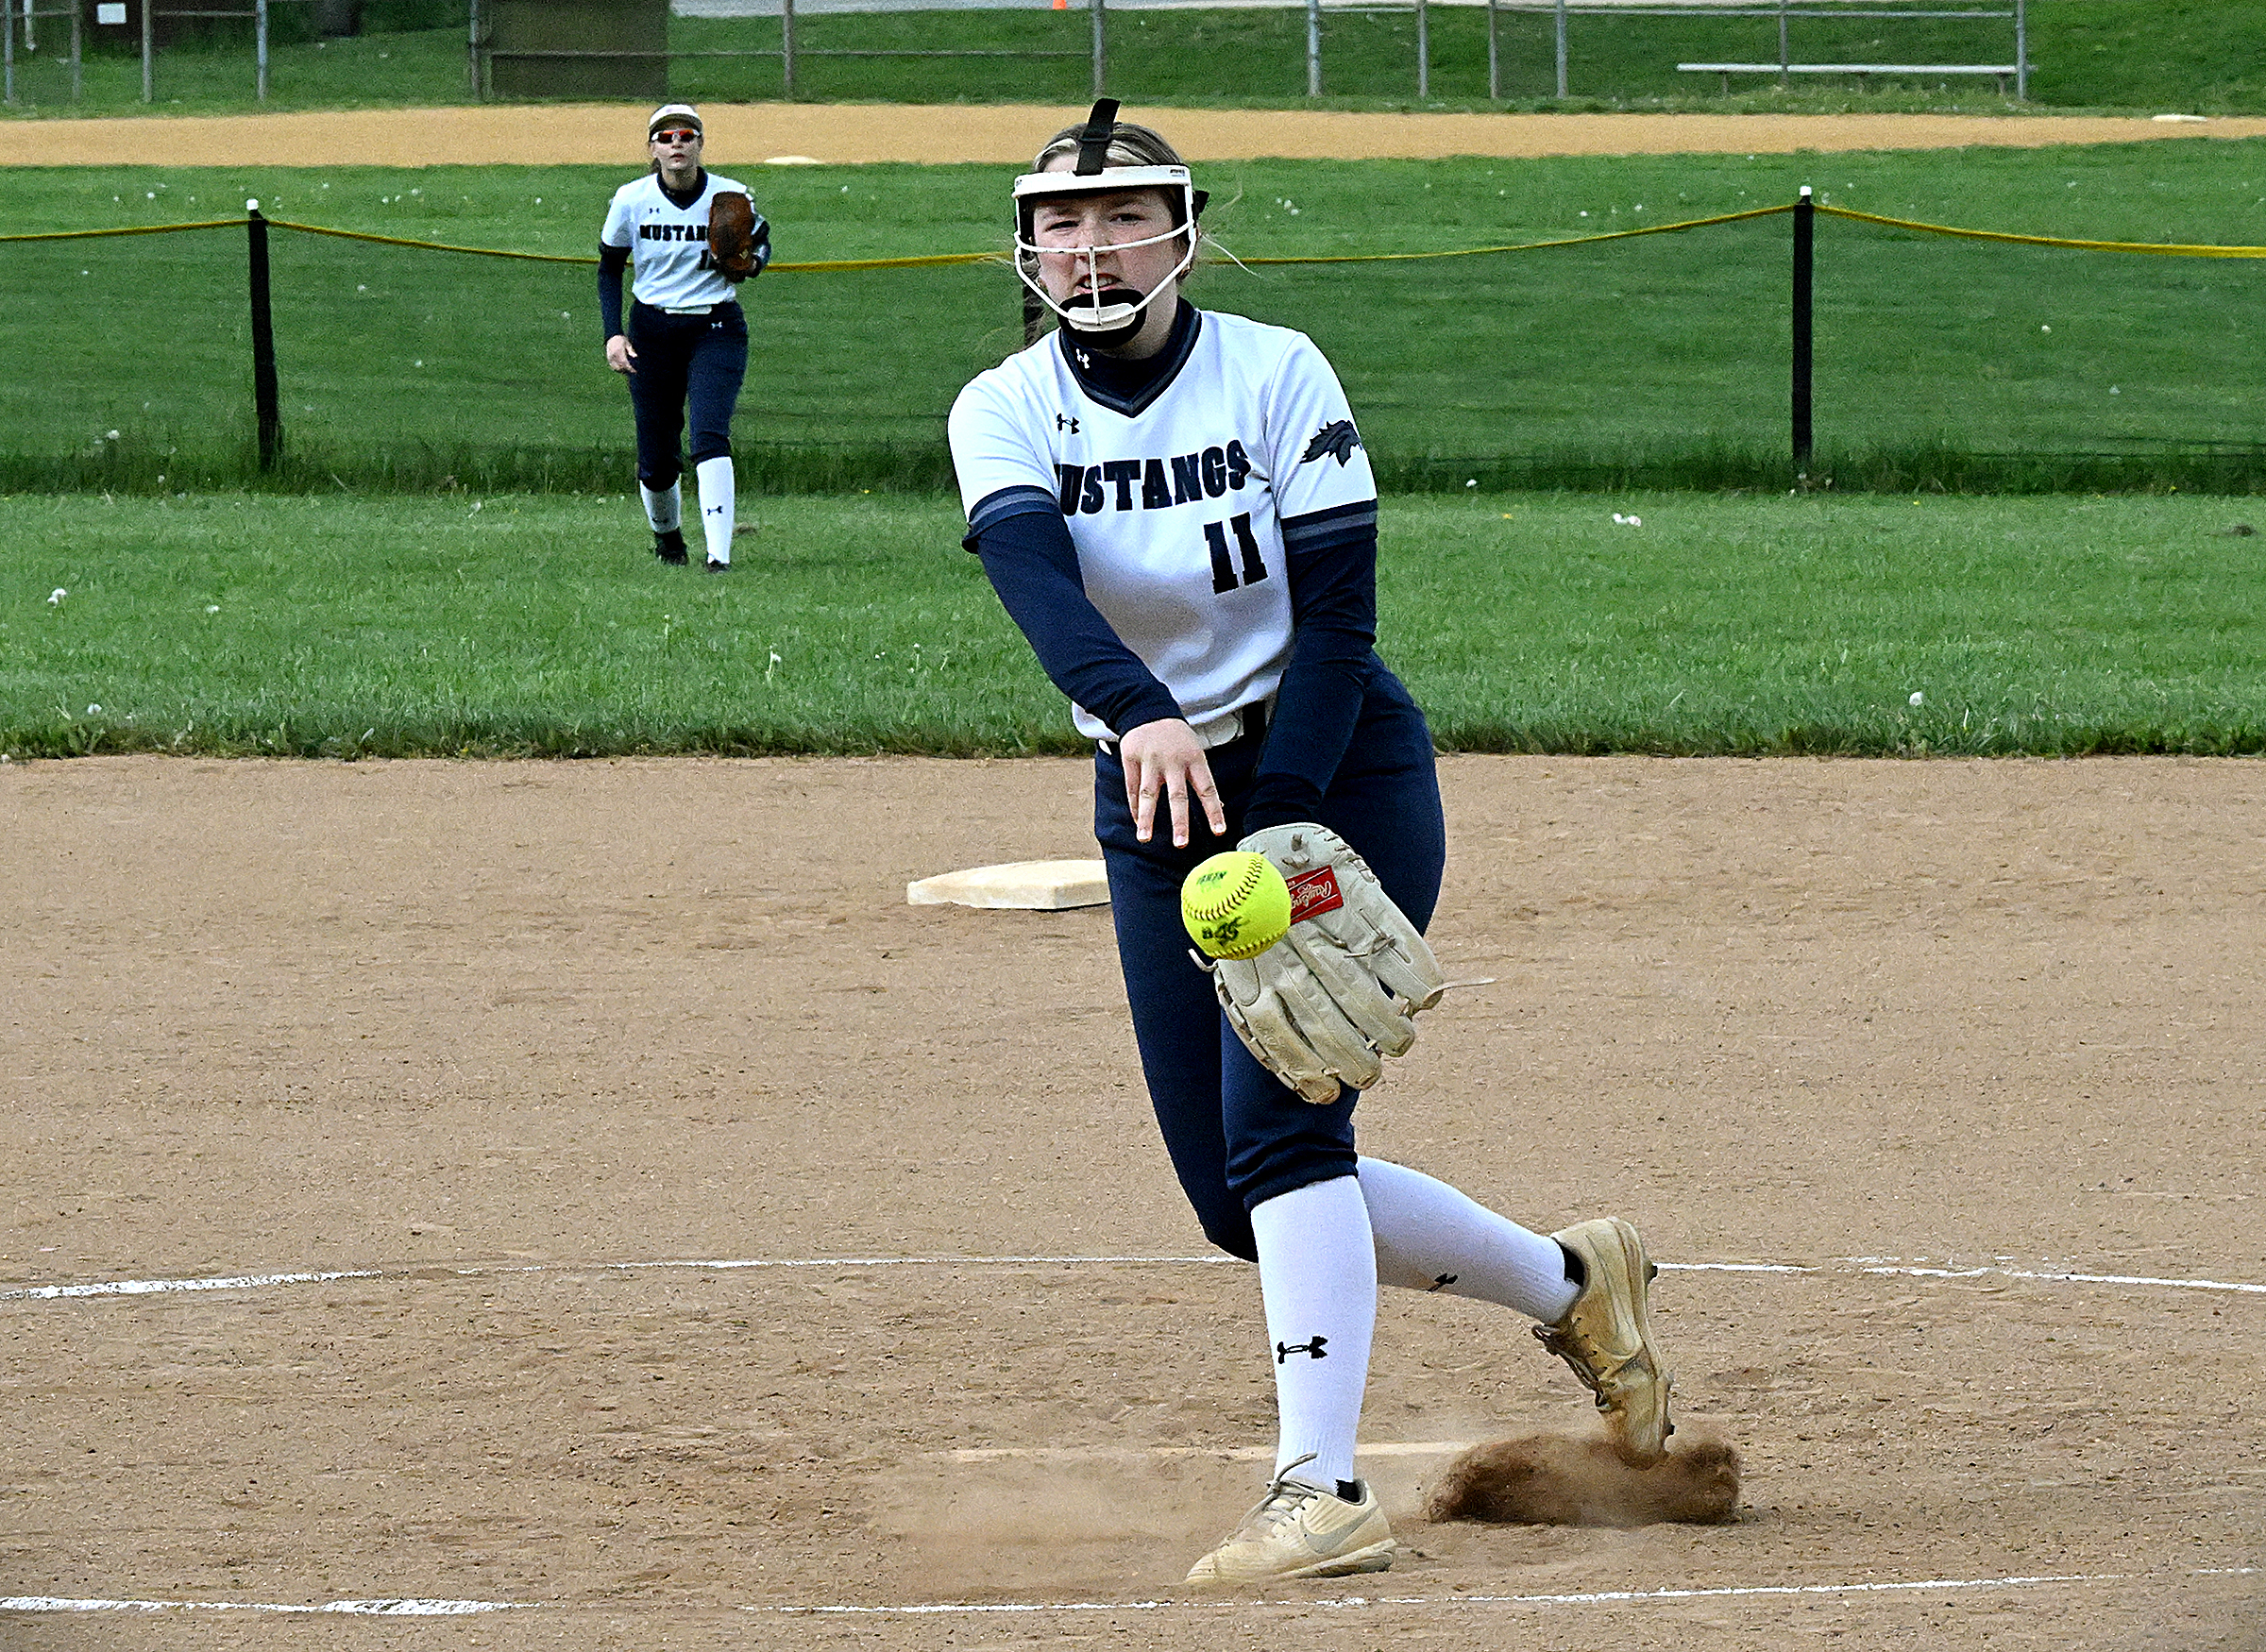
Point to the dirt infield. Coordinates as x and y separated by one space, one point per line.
507 1062
745 134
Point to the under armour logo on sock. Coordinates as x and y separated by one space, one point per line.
1284 1350
713 510
1442 1282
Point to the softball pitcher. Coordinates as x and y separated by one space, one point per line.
1176 507
685 342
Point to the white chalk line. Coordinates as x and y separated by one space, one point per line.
2055 1278
699 1265
114 1288
1603 1598
448 1608
156 1287
1735 1268
376 1608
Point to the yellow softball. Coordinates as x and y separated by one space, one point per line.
1236 905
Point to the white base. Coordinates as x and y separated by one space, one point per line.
1028 885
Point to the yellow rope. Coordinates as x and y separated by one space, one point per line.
1372 258
540 257
935 261
944 260
826 266
2164 249
142 229
931 262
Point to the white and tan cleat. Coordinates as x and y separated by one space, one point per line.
1606 1336
1300 1529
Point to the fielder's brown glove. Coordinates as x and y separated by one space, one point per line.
1322 1005
731 235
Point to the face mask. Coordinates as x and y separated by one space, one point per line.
1102 317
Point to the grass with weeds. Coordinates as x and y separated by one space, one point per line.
538 626
1713 626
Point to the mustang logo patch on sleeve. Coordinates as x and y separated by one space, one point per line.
1340 439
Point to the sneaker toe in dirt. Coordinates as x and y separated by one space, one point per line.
1301 1530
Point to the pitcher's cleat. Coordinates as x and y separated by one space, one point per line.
669 546
1606 1336
1300 1529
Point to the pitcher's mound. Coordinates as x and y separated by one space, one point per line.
1554 1479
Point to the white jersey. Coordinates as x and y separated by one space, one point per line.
669 244
1175 502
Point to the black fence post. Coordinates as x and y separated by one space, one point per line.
266 403
1805 229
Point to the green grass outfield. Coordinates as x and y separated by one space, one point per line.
2193 55
1658 361
537 625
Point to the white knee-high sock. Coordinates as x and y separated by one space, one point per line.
665 509
717 505
1317 1268
1431 1237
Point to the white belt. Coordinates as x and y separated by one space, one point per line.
686 309
1219 731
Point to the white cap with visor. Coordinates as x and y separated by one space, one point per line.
1102 316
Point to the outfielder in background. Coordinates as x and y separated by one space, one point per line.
689 238
1175 508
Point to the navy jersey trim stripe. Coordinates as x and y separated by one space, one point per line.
994 509
1318 530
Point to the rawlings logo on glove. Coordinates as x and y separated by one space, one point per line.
1314 894
1322 1006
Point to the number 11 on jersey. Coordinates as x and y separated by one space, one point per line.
1223 569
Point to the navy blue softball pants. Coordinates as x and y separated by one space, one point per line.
1237 1135
684 362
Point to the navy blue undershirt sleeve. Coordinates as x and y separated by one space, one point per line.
612 261
1027 554
1332 564
759 244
